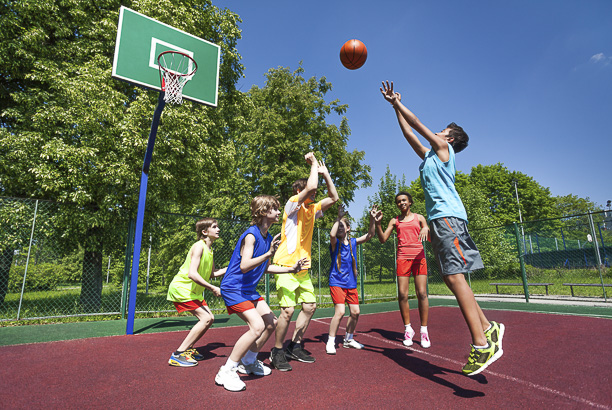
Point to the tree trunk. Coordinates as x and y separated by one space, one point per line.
91 282
6 260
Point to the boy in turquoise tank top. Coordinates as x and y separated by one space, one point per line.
454 248
186 291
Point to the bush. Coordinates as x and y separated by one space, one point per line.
43 276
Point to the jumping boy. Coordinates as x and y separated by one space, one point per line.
251 258
298 225
452 244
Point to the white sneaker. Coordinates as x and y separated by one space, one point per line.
352 344
228 378
257 368
330 348
408 335
425 342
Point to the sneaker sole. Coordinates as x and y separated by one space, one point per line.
178 364
408 343
496 356
293 357
502 329
351 347
220 384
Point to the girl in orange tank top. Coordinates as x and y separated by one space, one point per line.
411 231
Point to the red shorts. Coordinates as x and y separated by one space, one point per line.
340 296
189 306
242 306
410 267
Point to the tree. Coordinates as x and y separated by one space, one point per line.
497 183
70 133
278 125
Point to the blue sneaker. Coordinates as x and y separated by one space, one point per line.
182 360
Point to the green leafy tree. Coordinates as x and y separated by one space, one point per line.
70 133
278 125
497 183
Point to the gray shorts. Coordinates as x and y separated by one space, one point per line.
455 250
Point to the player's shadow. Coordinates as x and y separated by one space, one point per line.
208 350
405 358
168 325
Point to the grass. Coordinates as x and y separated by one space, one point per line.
63 304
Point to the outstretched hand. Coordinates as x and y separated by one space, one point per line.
311 159
376 214
300 265
341 211
274 245
388 93
322 168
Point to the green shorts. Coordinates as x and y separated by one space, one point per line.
294 288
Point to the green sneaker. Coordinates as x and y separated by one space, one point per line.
480 359
495 334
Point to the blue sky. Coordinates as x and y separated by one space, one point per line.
530 81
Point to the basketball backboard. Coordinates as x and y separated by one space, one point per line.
140 39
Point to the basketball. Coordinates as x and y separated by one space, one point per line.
353 54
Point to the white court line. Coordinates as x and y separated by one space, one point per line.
502 376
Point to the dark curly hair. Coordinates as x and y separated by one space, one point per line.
460 137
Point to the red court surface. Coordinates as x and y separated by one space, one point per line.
550 361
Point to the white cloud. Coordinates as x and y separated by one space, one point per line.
600 58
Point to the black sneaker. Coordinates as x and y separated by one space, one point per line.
297 353
279 360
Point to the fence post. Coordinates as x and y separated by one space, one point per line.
362 273
126 266
148 265
319 250
597 255
25 272
522 262
603 244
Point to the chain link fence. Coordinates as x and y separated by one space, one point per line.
53 264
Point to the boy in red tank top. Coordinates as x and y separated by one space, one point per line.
411 231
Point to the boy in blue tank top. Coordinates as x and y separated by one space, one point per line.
250 260
454 248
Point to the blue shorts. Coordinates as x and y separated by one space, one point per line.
453 246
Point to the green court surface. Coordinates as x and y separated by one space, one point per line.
14 335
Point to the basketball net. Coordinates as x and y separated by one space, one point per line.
175 70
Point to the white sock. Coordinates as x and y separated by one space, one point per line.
423 329
481 347
407 327
348 336
331 340
230 364
250 357
490 326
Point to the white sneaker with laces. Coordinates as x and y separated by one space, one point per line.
408 335
425 342
228 378
352 344
330 348
257 368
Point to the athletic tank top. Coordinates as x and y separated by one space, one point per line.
408 244
183 289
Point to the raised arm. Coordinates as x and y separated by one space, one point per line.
194 275
332 194
334 230
371 227
313 178
438 143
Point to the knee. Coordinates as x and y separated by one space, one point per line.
287 313
355 315
309 308
422 295
339 313
402 297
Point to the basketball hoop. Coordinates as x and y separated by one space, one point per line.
175 69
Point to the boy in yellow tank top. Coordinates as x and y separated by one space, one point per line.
186 291
299 217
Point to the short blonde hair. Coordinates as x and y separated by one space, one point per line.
260 206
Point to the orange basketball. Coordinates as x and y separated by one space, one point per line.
353 54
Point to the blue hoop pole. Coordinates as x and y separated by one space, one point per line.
142 199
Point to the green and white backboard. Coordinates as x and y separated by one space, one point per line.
140 39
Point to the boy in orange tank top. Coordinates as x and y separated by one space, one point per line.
411 231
